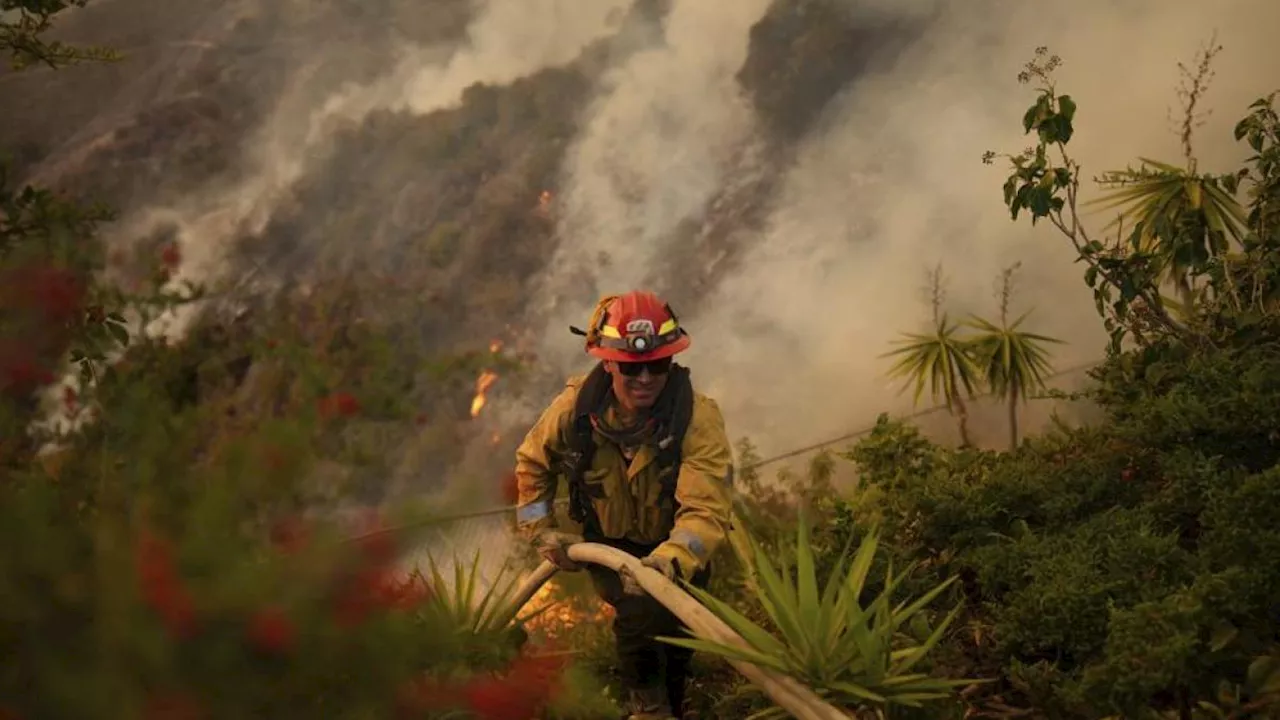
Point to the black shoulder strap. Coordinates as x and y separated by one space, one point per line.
671 447
592 394
582 445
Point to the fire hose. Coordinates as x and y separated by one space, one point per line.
802 702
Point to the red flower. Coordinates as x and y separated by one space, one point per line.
57 293
21 373
376 588
171 256
338 405
290 535
273 457
406 594
161 587
171 706
510 488
378 546
520 693
69 399
359 596
271 631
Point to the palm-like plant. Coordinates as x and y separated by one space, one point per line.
1013 362
942 360
1185 218
852 655
485 619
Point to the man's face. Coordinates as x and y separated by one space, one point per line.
637 385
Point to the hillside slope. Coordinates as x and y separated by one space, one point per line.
457 209
482 170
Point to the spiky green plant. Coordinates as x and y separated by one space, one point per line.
484 618
852 655
1184 217
942 361
1013 362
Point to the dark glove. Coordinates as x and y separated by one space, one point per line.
664 565
553 546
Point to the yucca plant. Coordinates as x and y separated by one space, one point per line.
1013 362
1185 218
853 655
941 360
484 619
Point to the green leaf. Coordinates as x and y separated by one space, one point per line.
118 332
918 653
857 691
806 574
1067 108
1263 675
1222 636
755 636
941 361
733 652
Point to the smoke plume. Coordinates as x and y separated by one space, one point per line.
506 40
891 182
888 182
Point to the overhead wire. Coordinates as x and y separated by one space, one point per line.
787 455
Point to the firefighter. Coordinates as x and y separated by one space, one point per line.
648 467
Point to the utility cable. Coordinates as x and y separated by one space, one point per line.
787 455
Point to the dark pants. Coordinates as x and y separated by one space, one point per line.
645 663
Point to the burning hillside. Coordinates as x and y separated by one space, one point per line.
557 615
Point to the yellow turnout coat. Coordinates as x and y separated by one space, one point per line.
631 506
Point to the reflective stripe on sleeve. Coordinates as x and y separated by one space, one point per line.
691 541
533 512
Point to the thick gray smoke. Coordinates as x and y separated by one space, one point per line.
506 40
886 184
655 147
890 184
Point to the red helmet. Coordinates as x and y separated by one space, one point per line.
635 327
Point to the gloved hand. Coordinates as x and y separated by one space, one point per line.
663 565
553 547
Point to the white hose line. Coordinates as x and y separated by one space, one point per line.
789 694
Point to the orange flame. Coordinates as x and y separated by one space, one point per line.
563 615
544 205
483 383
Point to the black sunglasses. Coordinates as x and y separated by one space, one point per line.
655 367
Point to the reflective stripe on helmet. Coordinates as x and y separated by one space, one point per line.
635 324
640 343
